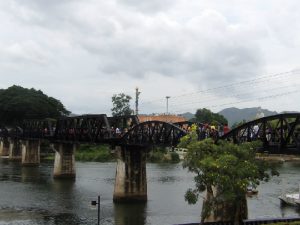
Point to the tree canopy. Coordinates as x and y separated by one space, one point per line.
18 103
207 116
121 105
224 170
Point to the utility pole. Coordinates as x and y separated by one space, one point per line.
167 97
137 93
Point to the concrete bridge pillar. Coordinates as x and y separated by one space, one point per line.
130 180
64 163
4 147
1 147
14 150
31 153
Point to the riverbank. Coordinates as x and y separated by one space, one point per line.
278 157
103 153
94 153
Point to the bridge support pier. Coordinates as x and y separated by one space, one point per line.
4 147
15 153
31 153
64 163
130 180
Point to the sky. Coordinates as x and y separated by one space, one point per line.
210 54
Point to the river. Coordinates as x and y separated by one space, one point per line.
31 196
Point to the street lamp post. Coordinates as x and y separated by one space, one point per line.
97 203
167 97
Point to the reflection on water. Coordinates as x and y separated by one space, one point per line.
124 216
36 216
29 195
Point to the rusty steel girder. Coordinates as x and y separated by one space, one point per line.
3 132
281 130
123 122
38 129
153 133
85 128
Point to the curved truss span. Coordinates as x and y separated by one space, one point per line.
281 131
153 133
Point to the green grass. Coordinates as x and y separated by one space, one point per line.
94 153
102 153
155 157
161 156
175 157
49 157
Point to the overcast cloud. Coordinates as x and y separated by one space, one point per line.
84 51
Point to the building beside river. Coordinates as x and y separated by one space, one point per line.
162 117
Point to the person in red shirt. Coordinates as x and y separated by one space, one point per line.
226 129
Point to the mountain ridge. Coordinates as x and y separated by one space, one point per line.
236 115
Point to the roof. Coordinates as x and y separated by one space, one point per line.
163 118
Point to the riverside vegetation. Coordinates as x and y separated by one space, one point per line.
103 153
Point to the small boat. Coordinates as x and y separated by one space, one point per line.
292 199
251 191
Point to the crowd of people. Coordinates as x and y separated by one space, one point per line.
206 130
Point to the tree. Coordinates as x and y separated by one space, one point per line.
224 170
207 116
18 103
121 106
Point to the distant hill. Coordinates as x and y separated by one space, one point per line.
188 115
235 115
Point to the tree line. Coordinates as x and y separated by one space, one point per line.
18 104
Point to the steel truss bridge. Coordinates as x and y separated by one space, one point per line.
279 133
97 129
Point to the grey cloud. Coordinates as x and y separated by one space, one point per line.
139 38
209 61
204 49
152 6
54 14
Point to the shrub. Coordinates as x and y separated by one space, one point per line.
95 153
175 157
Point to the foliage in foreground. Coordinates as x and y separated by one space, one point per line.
95 153
224 170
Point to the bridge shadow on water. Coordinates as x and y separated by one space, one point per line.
130 214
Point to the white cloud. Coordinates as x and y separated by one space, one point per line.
81 51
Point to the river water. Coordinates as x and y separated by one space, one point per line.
31 196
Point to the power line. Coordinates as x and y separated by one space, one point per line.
215 98
245 100
292 72
234 90
232 96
